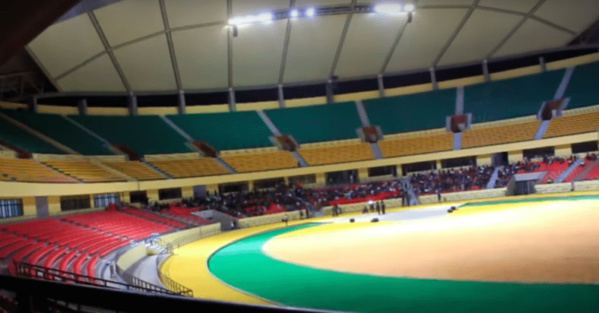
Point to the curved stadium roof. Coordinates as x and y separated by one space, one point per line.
169 45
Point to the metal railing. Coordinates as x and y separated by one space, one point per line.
170 283
40 272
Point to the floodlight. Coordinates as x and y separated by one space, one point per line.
294 13
310 12
409 7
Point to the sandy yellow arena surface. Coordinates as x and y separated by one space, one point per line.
534 242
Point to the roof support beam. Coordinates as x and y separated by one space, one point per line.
285 46
341 41
455 33
171 47
515 29
108 49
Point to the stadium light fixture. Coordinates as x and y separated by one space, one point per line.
294 13
310 12
250 19
388 8
409 7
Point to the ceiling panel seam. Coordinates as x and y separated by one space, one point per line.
556 26
285 45
516 28
455 33
394 45
108 49
171 47
341 40
80 65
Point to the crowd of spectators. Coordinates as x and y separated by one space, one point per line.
293 196
452 180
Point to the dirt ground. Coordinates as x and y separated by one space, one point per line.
541 242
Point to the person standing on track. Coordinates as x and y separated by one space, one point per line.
383 206
378 208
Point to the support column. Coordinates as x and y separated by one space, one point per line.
232 104
563 150
330 95
181 102
32 102
362 174
398 170
381 84
82 106
281 96
439 164
433 78
132 104
29 207
321 179
212 188
53 205
542 64
187 191
486 70
126 196
250 185
485 159
91 202
152 195
515 156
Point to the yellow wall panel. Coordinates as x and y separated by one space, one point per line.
461 82
356 96
53 204
573 61
292 103
529 70
56 109
107 111
207 108
408 89
254 106
158 110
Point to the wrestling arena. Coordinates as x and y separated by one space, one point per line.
541 253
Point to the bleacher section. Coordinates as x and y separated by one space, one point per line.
16 136
510 98
317 123
593 173
146 134
416 143
84 170
226 131
482 135
61 130
27 170
184 166
135 169
120 224
261 161
582 88
570 124
406 113
336 153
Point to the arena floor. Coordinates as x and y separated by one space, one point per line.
526 254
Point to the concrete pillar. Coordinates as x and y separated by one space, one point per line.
381 84
187 191
212 188
152 195
542 64
321 179
181 102
330 94
232 104
132 102
515 156
433 78
399 170
53 204
281 96
91 202
82 106
32 103
362 174
126 196
486 70
563 150
485 159
29 208
250 185
438 164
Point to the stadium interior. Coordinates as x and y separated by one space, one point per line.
178 155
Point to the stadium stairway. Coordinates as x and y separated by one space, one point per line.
457 141
150 165
376 150
225 165
569 170
541 130
493 179
593 167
